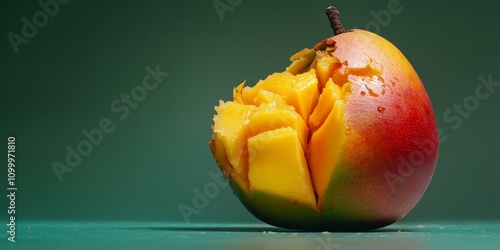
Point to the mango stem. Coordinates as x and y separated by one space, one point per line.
333 15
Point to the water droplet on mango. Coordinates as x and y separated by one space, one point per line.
347 130
381 109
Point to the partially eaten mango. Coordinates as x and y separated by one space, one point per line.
344 139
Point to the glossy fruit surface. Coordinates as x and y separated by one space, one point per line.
344 139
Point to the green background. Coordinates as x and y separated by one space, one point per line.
91 52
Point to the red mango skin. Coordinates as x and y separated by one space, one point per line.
390 148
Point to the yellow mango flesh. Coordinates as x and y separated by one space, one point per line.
273 116
323 154
273 172
325 66
331 93
300 91
232 133
264 96
282 136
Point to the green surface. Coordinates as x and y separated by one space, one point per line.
154 235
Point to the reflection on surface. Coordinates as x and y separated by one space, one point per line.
296 241
264 237
407 236
159 235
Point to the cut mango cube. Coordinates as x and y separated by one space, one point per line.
232 134
274 116
324 69
330 94
300 91
324 148
275 172
266 97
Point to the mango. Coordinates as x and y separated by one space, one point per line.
344 139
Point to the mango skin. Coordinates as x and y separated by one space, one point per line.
388 154
278 211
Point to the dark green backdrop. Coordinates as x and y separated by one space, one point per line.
67 76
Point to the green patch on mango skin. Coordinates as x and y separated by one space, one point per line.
342 205
334 209
284 212
278 211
